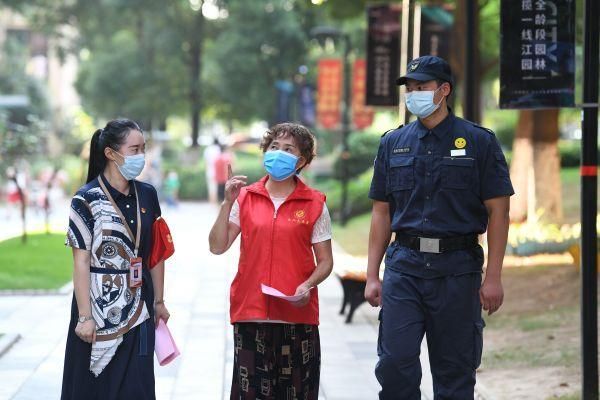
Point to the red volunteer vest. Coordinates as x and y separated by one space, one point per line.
276 250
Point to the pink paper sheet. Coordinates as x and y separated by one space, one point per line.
268 290
164 346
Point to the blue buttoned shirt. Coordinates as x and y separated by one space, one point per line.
436 182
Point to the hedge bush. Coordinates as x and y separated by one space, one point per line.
363 149
570 153
358 195
193 177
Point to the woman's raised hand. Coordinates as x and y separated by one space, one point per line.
233 185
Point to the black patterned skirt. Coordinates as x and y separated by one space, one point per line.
276 361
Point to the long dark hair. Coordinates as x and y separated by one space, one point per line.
113 135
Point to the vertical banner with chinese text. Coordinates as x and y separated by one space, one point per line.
383 54
362 116
436 31
537 54
329 92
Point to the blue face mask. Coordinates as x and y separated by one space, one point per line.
421 103
132 166
279 164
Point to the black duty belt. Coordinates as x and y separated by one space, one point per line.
433 245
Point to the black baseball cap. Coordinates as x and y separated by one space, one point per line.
427 68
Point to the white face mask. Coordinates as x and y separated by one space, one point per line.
132 165
420 103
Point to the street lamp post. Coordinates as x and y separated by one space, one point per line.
321 33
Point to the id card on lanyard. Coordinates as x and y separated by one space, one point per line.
135 263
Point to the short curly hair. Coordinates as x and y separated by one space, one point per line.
305 140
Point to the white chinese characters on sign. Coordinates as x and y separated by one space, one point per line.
538 38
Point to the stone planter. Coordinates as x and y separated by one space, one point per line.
531 248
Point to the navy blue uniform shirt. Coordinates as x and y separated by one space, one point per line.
436 182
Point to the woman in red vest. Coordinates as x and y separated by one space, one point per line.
285 245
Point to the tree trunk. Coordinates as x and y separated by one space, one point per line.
546 164
23 202
195 74
535 168
521 166
47 205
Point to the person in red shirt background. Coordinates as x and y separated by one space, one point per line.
285 244
221 166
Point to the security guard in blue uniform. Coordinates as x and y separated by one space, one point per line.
438 183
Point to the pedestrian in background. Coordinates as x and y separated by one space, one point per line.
171 186
211 152
284 226
438 183
117 297
223 162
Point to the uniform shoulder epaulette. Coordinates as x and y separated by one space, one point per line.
488 130
390 130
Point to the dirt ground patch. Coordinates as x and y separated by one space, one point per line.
532 345
528 384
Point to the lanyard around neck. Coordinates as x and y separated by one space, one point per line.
118 210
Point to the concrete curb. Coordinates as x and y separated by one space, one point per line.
62 291
7 341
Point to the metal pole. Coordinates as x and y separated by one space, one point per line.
589 171
471 42
416 50
345 130
402 116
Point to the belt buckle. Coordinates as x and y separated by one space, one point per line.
429 245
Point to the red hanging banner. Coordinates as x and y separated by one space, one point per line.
329 92
362 116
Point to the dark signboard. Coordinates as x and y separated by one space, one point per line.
285 89
436 31
307 113
383 54
537 54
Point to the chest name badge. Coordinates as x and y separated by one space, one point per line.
401 150
458 152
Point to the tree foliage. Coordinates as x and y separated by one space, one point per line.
259 43
22 128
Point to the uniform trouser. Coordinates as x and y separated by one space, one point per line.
448 311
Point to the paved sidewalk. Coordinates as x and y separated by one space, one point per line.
196 294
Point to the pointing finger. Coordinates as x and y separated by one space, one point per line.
229 171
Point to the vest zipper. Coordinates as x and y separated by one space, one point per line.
271 264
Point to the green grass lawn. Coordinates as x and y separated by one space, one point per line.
42 263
